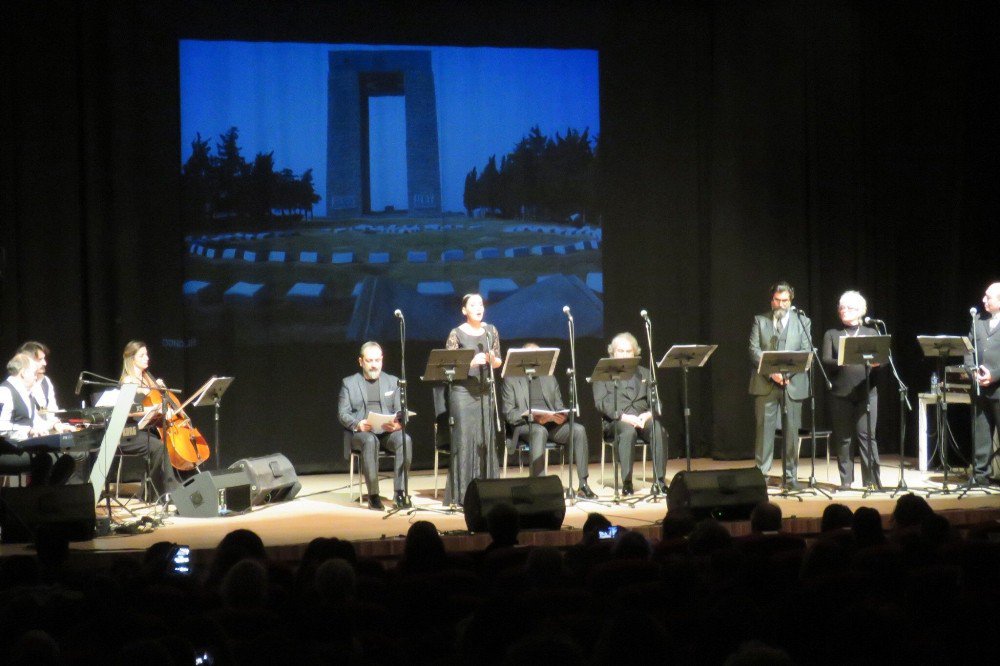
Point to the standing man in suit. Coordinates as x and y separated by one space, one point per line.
781 329
633 419
372 390
986 332
545 395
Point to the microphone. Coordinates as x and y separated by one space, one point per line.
796 308
567 312
873 320
398 314
644 315
973 311
79 385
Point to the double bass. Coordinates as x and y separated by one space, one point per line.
186 447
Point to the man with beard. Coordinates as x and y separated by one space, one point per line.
372 390
779 330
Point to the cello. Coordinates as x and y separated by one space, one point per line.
186 447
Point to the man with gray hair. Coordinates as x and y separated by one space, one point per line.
848 407
374 391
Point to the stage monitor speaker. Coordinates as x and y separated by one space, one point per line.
212 494
272 478
725 494
68 510
539 501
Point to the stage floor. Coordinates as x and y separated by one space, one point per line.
324 508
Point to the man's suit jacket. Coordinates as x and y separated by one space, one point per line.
633 397
352 403
989 354
793 338
515 400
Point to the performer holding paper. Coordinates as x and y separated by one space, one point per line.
549 423
986 333
472 401
633 419
779 330
372 391
847 398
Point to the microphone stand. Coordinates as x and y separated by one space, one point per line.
654 403
904 407
812 406
574 408
494 406
403 402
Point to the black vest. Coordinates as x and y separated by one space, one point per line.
22 414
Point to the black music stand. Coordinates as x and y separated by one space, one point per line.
449 366
786 363
685 357
210 395
943 347
531 363
866 350
614 370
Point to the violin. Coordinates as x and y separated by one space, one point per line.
186 447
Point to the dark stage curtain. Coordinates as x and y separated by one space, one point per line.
834 144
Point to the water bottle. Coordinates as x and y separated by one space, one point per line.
935 388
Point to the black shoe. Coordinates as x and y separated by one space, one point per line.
402 501
584 492
62 470
661 487
627 488
375 503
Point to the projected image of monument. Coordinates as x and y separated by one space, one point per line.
384 178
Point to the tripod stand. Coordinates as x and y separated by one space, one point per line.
941 348
448 366
785 363
612 371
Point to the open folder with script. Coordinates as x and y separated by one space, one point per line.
377 421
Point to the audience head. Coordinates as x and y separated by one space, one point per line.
709 536
630 545
424 549
245 585
867 527
765 517
910 511
835 517
503 523
336 581
676 525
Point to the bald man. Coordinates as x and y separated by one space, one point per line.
986 333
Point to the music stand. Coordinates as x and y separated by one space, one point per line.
210 395
614 370
943 347
685 357
109 445
866 350
531 363
786 363
448 365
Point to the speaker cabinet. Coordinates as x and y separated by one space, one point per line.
725 494
210 494
539 501
68 510
272 478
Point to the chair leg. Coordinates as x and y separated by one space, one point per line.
118 478
604 446
350 478
645 449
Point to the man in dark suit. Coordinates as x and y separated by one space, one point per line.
633 418
986 333
549 425
781 329
372 390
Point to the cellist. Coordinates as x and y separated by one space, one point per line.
135 365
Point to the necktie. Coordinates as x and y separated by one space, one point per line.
778 328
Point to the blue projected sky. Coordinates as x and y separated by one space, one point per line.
487 100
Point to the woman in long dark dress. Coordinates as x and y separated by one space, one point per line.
471 403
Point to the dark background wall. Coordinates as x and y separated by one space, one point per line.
835 144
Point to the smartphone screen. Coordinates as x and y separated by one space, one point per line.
181 560
609 533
